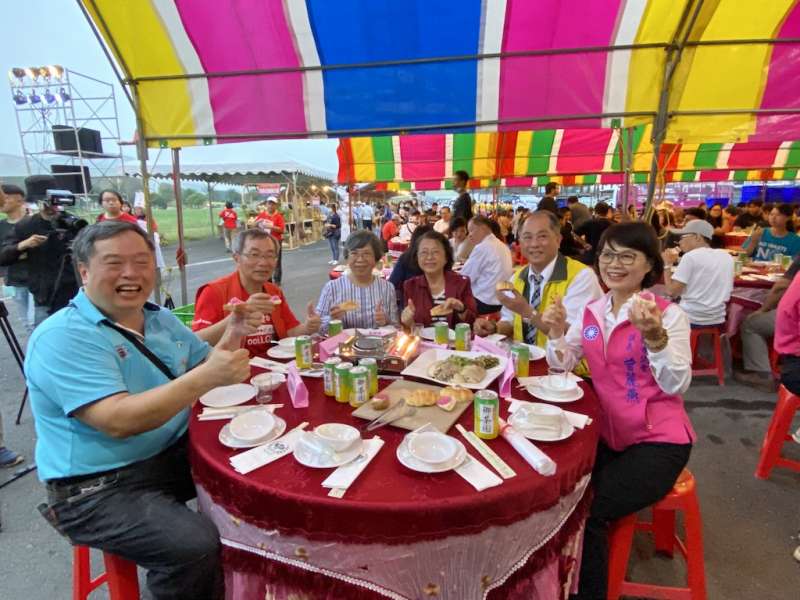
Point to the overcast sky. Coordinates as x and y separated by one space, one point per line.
45 32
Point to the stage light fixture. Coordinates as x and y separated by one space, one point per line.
18 73
49 97
63 96
32 72
56 71
35 98
19 98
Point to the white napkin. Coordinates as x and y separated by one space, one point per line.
476 474
495 337
257 457
577 420
343 477
539 380
537 459
265 363
215 414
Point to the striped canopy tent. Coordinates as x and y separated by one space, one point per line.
568 156
203 71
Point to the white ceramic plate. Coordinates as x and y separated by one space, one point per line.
541 435
287 343
429 333
307 458
408 461
419 368
536 352
280 352
545 394
252 425
227 439
228 395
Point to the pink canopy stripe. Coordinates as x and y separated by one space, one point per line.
423 157
782 89
555 85
583 150
751 155
225 41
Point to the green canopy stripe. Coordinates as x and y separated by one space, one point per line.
706 156
384 158
541 148
463 152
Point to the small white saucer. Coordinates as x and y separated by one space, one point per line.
407 460
287 344
226 438
228 395
545 394
541 435
307 458
280 352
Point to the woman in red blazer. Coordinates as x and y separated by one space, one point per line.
448 294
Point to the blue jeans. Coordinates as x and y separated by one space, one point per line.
27 312
139 513
334 242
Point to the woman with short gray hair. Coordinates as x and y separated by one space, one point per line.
359 298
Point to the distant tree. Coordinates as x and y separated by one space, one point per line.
158 200
232 195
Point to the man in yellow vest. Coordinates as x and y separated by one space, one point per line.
549 274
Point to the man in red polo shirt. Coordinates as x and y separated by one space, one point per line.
273 223
255 253
111 201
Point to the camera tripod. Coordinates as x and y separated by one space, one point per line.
16 350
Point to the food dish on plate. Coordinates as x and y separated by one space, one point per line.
379 403
275 299
348 305
461 369
459 394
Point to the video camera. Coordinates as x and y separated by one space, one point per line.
66 225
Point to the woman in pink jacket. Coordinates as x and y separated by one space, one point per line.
640 343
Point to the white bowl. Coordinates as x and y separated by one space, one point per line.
569 387
542 416
432 447
252 425
287 343
268 382
337 435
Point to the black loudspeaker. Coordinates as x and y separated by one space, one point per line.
89 139
36 186
68 177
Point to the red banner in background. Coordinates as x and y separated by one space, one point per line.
268 189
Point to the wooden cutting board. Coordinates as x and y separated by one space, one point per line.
440 419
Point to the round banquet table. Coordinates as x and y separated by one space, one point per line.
397 246
734 240
396 533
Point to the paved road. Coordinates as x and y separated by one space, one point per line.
748 524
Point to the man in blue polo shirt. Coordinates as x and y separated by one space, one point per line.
112 379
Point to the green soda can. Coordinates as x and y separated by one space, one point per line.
521 355
372 366
743 257
302 352
329 375
334 327
359 386
487 415
737 268
463 337
342 381
441 333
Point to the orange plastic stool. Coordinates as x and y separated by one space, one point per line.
777 434
683 497
703 367
120 575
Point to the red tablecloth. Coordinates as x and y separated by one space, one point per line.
397 245
732 240
390 505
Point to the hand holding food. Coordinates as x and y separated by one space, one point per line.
509 297
646 316
554 318
380 315
313 321
263 302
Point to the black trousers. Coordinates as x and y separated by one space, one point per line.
139 513
790 373
624 483
277 274
487 309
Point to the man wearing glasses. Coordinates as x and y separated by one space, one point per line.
548 275
256 254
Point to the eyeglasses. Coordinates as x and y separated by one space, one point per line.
431 254
257 256
624 258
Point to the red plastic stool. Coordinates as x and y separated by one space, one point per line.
120 575
683 497
777 434
704 367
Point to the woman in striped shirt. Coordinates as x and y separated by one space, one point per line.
373 297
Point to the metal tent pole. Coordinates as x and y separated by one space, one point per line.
210 208
181 254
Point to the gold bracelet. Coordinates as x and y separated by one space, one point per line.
659 343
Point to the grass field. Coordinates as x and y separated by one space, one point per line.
196 223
